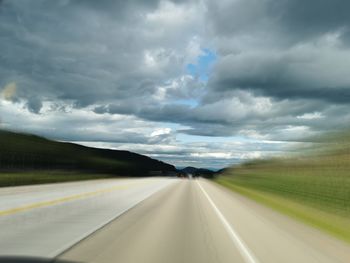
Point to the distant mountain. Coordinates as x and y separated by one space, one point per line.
23 152
197 171
189 170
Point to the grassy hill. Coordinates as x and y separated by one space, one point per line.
313 187
24 152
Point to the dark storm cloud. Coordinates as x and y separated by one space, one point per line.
281 70
68 50
243 113
289 75
293 52
310 18
119 5
298 20
34 105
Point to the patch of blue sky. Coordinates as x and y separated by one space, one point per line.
201 69
190 102
187 138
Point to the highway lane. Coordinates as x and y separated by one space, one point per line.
198 221
45 220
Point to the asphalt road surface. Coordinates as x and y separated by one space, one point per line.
156 220
45 220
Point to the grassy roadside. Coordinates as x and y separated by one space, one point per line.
334 224
312 185
45 177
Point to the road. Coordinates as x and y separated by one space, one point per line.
45 220
154 220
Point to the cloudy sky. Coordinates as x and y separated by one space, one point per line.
199 82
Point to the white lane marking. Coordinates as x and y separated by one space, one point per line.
242 247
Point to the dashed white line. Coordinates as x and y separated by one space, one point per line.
242 247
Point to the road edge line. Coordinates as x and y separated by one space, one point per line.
242 247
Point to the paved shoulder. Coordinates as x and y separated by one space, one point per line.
43 221
272 237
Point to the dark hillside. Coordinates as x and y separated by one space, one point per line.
29 152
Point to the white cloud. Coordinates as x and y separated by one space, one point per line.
161 131
113 74
311 116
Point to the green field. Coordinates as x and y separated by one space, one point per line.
45 177
314 189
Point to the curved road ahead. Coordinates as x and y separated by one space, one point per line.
153 220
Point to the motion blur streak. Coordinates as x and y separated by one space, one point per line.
179 224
